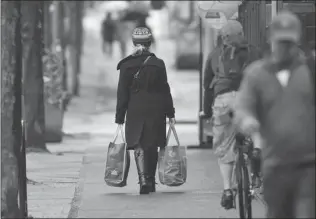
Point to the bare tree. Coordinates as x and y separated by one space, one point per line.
47 27
59 35
32 18
75 39
10 107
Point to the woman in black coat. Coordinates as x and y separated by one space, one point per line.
144 96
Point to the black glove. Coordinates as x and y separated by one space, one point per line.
256 154
256 162
119 121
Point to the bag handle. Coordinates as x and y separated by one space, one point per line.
143 64
173 129
119 129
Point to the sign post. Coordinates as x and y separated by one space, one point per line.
201 84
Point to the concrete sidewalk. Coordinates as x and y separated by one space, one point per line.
55 181
56 175
199 197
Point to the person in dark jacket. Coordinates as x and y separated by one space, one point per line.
276 100
225 73
144 96
108 32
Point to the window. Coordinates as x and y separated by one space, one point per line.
310 19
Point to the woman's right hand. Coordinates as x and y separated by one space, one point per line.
172 121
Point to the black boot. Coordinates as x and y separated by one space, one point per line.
152 163
228 199
141 165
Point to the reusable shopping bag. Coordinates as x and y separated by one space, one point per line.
172 162
117 162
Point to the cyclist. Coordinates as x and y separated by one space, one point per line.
225 71
276 99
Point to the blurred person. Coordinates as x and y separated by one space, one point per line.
146 100
108 32
225 73
277 100
313 50
121 36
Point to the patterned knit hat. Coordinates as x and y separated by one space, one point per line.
141 35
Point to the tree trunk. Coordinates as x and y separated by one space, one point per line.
63 44
33 74
10 12
75 32
47 27
79 41
59 40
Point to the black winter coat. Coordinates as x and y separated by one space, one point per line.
146 103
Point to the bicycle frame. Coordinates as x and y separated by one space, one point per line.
243 160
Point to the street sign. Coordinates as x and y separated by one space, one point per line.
228 8
216 20
212 15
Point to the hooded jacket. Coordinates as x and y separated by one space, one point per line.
226 63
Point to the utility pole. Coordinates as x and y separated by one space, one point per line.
201 83
274 6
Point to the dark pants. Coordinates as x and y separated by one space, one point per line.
208 102
107 47
290 192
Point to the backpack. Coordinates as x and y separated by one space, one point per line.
231 62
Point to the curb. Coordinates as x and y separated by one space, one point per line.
186 122
202 147
76 200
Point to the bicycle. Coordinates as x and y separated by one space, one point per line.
246 178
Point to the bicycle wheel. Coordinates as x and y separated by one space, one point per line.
243 187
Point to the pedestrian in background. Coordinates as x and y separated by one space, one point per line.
277 100
144 96
225 73
108 32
